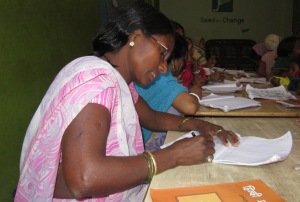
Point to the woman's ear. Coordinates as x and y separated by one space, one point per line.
132 37
163 68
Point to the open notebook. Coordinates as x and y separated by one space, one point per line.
228 103
252 151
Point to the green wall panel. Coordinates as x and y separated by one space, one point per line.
37 38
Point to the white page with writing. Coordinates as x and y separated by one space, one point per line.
228 103
275 93
252 151
261 80
223 88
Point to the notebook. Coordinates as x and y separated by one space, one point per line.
244 191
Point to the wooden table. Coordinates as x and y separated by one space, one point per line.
268 108
281 176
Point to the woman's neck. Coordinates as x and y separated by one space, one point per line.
119 62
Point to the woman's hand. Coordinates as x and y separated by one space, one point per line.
209 129
193 150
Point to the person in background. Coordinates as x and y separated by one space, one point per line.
267 60
198 54
259 49
177 99
291 81
287 50
84 142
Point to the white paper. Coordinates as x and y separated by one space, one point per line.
252 151
223 88
275 93
261 80
227 103
288 104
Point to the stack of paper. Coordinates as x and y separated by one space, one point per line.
223 88
228 103
253 80
275 93
252 151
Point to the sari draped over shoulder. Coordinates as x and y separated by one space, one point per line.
76 85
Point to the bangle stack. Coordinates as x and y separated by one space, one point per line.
151 164
182 122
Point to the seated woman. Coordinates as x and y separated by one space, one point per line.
84 142
166 93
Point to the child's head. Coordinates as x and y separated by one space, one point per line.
272 41
275 81
289 46
211 61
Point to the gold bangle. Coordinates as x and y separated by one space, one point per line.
182 122
151 164
154 163
149 167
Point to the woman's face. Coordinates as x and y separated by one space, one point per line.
149 56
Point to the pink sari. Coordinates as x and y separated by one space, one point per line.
84 80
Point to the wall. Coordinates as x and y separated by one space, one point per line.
252 19
37 38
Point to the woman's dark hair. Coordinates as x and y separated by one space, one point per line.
177 26
286 46
180 48
138 15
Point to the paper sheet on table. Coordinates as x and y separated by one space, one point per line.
227 103
290 103
252 151
275 93
253 80
236 72
223 88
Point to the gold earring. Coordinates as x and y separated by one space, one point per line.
131 43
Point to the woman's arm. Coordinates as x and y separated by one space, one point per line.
86 170
186 103
159 121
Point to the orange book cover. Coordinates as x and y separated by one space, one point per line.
245 191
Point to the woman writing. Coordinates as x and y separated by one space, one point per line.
84 141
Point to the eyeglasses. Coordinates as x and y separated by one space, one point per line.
164 51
